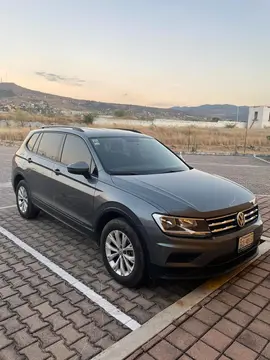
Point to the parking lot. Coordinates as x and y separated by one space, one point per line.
54 319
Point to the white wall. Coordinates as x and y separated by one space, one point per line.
266 114
263 117
106 121
110 120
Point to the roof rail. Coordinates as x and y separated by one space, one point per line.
133 130
63 127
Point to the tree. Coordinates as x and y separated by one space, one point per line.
89 118
22 117
119 113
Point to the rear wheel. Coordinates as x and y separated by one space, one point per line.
24 203
122 253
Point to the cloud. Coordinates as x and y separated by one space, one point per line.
72 81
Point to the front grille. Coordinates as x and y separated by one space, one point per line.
228 223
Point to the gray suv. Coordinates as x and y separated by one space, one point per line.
150 212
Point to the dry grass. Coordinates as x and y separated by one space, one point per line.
13 134
36 118
187 139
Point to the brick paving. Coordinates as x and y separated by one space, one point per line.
7 196
233 323
42 317
81 257
264 203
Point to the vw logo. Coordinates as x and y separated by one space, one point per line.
241 220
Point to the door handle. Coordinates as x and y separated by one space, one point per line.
57 172
29 160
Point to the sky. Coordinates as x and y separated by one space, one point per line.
150 52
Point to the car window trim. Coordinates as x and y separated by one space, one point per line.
108 137
36 133
46 157
88 148
37 143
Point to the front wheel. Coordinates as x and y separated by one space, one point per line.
24 203
122 253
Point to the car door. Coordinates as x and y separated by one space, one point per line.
74 194
41 164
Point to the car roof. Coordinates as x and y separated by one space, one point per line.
94 132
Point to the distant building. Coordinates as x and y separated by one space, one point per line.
259 117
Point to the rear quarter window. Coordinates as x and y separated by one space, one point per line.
32 141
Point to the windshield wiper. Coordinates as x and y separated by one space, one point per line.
125 173
172 171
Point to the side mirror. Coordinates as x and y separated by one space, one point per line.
79 168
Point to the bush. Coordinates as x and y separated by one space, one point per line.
230 126
119 113
22 117
89 118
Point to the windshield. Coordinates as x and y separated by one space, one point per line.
136 156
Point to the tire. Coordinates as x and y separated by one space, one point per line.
131 278
29 211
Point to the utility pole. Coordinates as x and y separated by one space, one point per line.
237 113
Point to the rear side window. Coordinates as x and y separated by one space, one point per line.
31 142
50 145
37 143
75 150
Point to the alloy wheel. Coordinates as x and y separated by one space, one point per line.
120 253
22 199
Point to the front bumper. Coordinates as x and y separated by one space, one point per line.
172 257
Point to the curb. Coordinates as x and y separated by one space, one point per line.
133 341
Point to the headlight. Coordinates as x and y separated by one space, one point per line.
254 201
181 226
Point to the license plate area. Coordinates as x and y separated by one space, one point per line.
245 242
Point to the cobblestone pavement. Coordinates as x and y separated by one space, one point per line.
233 323
80 256
42 317
264 206
7 196
247 171
6 154
84 329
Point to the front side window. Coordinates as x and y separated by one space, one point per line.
50 145
136 155
75 150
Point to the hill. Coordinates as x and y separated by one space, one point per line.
28 99
18 96
225 111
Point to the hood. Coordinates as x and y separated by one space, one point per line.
188 193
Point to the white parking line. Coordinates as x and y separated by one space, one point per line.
133 341
111 309
5 185
230 165
261 159
7 207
